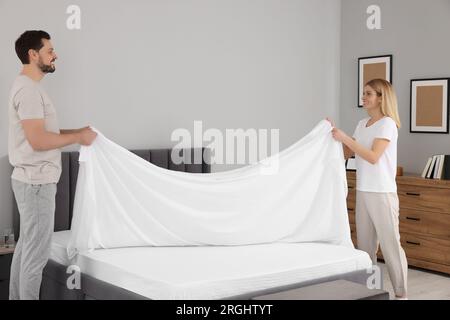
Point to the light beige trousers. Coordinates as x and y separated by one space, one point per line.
377 222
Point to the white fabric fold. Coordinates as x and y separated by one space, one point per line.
123 200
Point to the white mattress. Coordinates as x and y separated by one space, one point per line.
211 272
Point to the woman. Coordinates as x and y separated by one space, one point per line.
374 145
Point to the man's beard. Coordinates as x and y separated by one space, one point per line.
45 68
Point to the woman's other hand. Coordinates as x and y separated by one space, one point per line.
338 134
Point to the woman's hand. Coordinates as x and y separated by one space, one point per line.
330 121
339 135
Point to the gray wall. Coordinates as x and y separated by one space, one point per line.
416 33
137 70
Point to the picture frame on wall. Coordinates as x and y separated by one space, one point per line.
429 105
369 68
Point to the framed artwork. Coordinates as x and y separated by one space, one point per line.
369 68
429 105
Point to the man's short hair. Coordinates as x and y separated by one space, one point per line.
31 39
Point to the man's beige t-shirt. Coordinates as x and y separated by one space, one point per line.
28 100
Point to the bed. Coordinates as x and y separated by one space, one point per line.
210 272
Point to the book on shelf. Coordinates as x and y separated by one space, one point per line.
446 168
441 165
431 169
427 167
437 167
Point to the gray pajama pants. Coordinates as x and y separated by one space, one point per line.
36 204
377 223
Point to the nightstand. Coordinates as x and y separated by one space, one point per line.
6 255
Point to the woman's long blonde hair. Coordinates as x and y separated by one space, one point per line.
389 105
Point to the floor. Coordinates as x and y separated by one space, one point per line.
422 285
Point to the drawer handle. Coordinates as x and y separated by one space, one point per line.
350 209
414 219
414 243
350 187
413 194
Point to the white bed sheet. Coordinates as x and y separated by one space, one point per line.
211 272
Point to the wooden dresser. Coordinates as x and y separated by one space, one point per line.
424 220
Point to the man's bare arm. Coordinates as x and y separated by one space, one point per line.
66 131
42 140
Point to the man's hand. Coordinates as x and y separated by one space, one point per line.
86 136
81 129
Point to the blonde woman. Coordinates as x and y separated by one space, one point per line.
374 145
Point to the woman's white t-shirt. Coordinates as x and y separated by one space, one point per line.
378 177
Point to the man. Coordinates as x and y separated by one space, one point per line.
34 143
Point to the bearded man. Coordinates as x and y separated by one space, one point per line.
34 144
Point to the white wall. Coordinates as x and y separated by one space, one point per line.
137 70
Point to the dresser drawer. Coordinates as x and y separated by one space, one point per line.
431 223
351 198
351 216
353 233
426 248
351 205
351 183
5 265
424 198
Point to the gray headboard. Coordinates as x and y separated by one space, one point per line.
65 194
